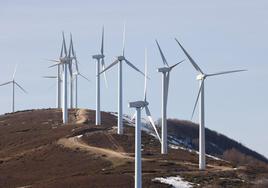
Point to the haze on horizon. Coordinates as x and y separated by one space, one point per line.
219 35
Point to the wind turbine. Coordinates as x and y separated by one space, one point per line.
201 78
99 59
139 105
77 73
58 78
73 79
65 62
165 86
14 83
119 60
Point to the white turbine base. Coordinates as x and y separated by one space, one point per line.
120 99
98 114
164 147
64 96
138 171
202 154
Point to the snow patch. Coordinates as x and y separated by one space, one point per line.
215 158
176 182
145 125
79 136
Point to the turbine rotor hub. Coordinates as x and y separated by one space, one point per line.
65 59
201 77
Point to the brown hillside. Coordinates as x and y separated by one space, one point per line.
36 150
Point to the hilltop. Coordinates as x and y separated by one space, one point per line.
36 150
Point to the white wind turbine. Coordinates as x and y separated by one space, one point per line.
201 77
58 78
99 59
139 105
73 79
119 60
76 75
65 62
165 86
14 83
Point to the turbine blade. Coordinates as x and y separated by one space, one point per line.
112 64
70 68
176 64
190 58
53 60
14 71
61 50
83 77
76 65
135 68
102 40
197 98
73 52
133 117
103 68
124 39
64 44
6 83
55 65
71 46
225 72
145 77
49 76
148 113
161 53
21 87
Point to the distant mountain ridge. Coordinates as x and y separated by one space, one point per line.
186 134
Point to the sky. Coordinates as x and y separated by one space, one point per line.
219 35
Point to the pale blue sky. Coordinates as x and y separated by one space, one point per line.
220 35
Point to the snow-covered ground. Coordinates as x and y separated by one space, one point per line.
176 182
145 125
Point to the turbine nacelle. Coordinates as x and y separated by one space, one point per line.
138 104
65 59
163 69
200 77
121 58
98 56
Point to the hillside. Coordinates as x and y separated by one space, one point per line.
36 150
186 134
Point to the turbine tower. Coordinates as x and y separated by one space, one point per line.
139 105
119 60
99 59
14 83
201 97
165 86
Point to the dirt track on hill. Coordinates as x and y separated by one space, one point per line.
117 158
